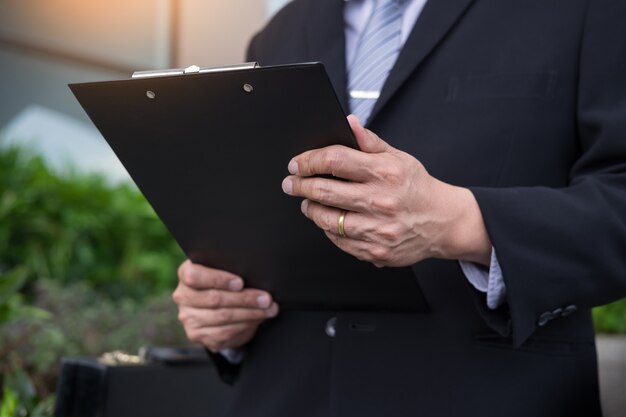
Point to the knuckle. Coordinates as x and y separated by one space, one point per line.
181 270
389 234
304 162
189 278
320 190
189 321
390 173
224 315
380 254
193 335
213 298
385 204
187 274
222 335
333 160
177 296
362 255
249 299
325 222
363 205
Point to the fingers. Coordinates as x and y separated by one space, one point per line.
198 317
214 298
382 167
371 251
208 288
341 194
336 160
200 277
356 226
216 310
341 161
367 140
223 337
327 219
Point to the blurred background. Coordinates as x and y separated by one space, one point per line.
46 45
85 265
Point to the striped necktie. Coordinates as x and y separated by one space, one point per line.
377 51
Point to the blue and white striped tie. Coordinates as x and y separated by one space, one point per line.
377 51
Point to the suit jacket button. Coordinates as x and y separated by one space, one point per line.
331 325
571 309
545 318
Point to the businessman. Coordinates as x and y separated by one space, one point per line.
493 161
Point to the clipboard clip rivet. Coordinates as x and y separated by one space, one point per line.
247 88
151 94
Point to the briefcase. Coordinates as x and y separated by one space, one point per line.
120 385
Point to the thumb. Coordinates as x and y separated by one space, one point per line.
367 140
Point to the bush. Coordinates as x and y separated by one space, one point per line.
75 320
85 267
79 228
611 318
18 394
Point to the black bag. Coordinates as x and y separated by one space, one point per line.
166 382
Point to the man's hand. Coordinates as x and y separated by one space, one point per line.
397 214
215 310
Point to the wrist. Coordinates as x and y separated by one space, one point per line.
466 236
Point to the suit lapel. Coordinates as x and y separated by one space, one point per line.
325 39
436 20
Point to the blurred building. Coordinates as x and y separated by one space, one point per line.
46 45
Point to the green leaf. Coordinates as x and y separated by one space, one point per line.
21 385
611 318
11 282
9 403
45 408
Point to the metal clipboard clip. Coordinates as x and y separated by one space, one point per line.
193 69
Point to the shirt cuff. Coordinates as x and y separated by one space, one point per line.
233 356
485 280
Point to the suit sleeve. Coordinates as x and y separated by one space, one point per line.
567 246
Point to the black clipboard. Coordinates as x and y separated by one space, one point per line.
209 150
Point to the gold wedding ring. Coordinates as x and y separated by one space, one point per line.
342 220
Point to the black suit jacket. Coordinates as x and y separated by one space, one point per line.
524 102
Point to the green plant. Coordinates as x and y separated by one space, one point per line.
8 406
80 322
611 318
80 228
18 393
19 398
85 267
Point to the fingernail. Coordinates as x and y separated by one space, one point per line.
235 284
263 301
272 311
293 167
287 186
304 207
